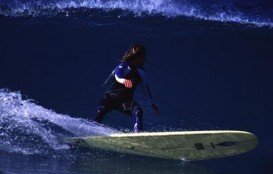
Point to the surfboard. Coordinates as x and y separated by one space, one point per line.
183 145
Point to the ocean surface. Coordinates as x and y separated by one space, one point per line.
209 63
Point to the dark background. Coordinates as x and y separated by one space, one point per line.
203 75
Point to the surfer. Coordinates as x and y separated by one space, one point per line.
125 78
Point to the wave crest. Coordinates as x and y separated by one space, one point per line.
249 12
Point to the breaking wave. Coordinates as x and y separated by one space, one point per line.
254 12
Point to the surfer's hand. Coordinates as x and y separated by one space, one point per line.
155 108
128 83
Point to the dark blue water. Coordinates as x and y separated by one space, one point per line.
209 66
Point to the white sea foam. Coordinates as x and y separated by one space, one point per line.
28 128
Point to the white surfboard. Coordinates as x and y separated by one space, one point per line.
184 145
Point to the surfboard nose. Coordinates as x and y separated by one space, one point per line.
248 141
224 144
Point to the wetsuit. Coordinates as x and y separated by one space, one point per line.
120 98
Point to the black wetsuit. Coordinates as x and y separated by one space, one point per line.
118 97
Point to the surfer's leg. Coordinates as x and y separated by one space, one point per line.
133 109
104 107
101 112
137 113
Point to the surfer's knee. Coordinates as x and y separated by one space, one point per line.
101 111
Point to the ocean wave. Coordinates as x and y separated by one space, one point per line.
28 128
244 12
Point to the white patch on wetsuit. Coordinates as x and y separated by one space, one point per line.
120 80
125 71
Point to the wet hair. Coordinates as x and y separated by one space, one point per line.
136 51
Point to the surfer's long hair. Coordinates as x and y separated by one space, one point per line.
135 52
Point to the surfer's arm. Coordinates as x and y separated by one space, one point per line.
119 75
146 90
147 93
